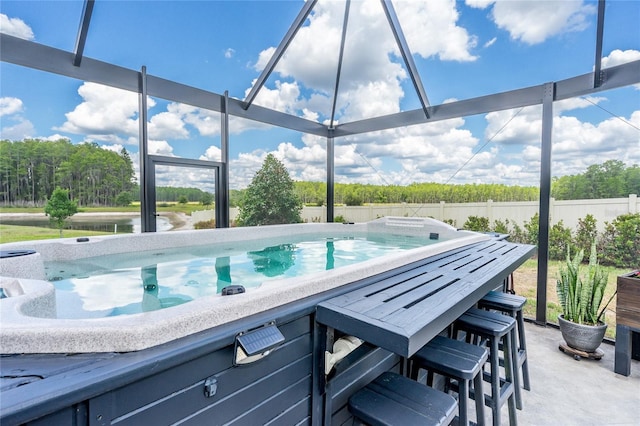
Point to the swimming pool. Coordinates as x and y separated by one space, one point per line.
30 315
120 284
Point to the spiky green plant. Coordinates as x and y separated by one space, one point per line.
581 296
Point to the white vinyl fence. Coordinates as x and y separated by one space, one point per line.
567 211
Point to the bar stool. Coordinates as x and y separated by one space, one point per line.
392 399
494 328
455 360
512 305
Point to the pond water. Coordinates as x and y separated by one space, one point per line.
123 225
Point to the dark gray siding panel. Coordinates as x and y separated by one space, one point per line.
248 394
71 416
261 401
297 413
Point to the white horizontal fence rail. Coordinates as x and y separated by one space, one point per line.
567 211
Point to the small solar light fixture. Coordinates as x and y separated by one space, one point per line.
256 344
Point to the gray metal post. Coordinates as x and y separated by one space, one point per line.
81 39
147 174
545 199
330 178
597 69
222 186
345 22
396 28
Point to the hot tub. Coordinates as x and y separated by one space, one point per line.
29 314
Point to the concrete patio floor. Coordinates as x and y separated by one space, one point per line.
567 392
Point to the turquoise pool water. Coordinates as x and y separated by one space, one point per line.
139 282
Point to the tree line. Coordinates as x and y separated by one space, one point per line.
168 194
611 179
30 170
355 194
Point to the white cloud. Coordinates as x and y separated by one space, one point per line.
212 153
160 147
104 111
11 110
167 124
576 144
372 70
56 137
424 23
229 53
22 129
490 42
618 57
533 22
115 147
576 103
15 27
9 106
283 98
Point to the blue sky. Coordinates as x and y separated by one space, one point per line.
462 49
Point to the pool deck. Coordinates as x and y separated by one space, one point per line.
569 392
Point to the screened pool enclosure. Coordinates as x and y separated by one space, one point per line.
79 59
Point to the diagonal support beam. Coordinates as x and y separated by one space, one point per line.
266 72
87 11
339 70
406 53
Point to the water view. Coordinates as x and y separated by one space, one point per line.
115 224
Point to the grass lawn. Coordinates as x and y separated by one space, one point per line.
133 208
14 233
525 279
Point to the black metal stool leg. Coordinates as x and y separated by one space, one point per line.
509 367
522 352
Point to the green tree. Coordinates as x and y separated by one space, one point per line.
501 227
206 199
352 199
477 223
620 242
586 233
532 229
607 180
59 207
559 241
124 199
270 198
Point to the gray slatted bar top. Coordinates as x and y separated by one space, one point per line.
402 312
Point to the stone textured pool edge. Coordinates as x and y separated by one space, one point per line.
22 333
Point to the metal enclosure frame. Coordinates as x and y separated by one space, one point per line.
73 64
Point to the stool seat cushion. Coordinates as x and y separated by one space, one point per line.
392 399
502 301
486 322
451 357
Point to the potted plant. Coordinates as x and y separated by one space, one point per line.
580 296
